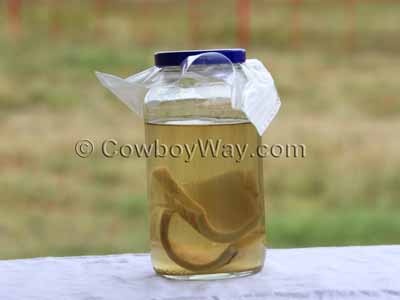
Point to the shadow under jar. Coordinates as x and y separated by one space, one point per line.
205 185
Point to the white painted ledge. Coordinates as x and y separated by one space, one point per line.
311 273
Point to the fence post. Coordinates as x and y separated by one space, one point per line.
99 12
295 39
194 16
244 19
14 16
352 14
55 16
146 32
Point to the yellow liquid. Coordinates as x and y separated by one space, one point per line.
207 212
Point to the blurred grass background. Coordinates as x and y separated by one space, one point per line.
340 92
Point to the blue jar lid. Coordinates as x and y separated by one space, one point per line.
175 58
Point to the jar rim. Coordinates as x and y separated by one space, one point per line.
175 58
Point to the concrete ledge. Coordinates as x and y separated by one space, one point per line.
371 272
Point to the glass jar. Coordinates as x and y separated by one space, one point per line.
205 185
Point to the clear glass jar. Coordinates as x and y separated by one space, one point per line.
206 198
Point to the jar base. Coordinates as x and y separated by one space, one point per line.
216 276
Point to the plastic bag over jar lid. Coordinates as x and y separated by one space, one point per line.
254 93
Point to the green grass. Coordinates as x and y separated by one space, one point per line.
341 102
358 226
